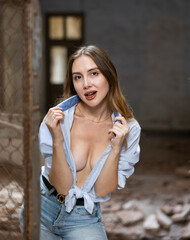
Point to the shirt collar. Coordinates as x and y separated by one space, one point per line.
70 102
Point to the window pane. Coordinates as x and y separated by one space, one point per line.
74 28
58 64
56 27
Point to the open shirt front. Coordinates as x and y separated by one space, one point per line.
128 157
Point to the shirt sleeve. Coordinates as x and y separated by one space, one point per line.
45 140
130 156
45 144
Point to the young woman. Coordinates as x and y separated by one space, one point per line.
90 143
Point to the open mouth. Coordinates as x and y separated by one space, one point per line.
90 95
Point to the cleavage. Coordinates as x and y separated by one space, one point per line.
88 142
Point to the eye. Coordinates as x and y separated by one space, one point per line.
95 73
76 77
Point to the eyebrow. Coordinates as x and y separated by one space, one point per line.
91 69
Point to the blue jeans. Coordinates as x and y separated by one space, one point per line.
57 224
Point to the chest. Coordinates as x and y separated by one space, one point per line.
88 142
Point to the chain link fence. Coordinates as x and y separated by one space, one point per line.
20 48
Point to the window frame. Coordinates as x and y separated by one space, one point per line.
70 44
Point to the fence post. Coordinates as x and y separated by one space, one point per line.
31 121
20 67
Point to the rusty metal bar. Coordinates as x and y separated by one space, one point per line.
27 52
32 213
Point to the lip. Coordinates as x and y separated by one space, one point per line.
91 96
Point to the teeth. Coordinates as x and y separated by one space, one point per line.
90 94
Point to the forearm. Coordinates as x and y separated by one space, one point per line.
60 174
107 181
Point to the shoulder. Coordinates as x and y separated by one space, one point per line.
134 133
134 126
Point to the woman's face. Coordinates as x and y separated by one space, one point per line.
89 83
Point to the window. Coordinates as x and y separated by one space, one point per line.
58 56
64 33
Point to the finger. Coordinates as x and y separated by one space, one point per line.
53 118
58 111
58 114
121 119
59 118
53 109
118 124
115 128
52 113
118 127
123 125
58 108
55 121
115 132
122 130
111 134
110 130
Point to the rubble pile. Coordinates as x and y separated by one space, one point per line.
131 220
139 212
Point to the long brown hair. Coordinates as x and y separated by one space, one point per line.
116 99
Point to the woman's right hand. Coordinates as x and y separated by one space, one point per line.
52 120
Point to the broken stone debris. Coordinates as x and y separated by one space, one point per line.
178 208
156 225
186 233
151 223
167 209
129 217
163 219
130 205
180 217
109 218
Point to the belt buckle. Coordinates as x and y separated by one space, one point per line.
60 198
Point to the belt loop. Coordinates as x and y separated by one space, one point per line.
51 191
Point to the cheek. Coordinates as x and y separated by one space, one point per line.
77 87
106 86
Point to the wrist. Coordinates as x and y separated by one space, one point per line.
116 150
57 142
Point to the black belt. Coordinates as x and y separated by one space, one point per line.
60 197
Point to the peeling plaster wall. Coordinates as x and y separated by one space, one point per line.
148 41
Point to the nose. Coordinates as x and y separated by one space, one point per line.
87 82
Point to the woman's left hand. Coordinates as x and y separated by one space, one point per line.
120 130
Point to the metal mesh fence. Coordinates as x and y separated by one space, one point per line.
19 117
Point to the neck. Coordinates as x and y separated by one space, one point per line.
95 114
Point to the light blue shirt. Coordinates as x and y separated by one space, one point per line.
128 157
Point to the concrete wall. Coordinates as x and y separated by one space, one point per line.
148 40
